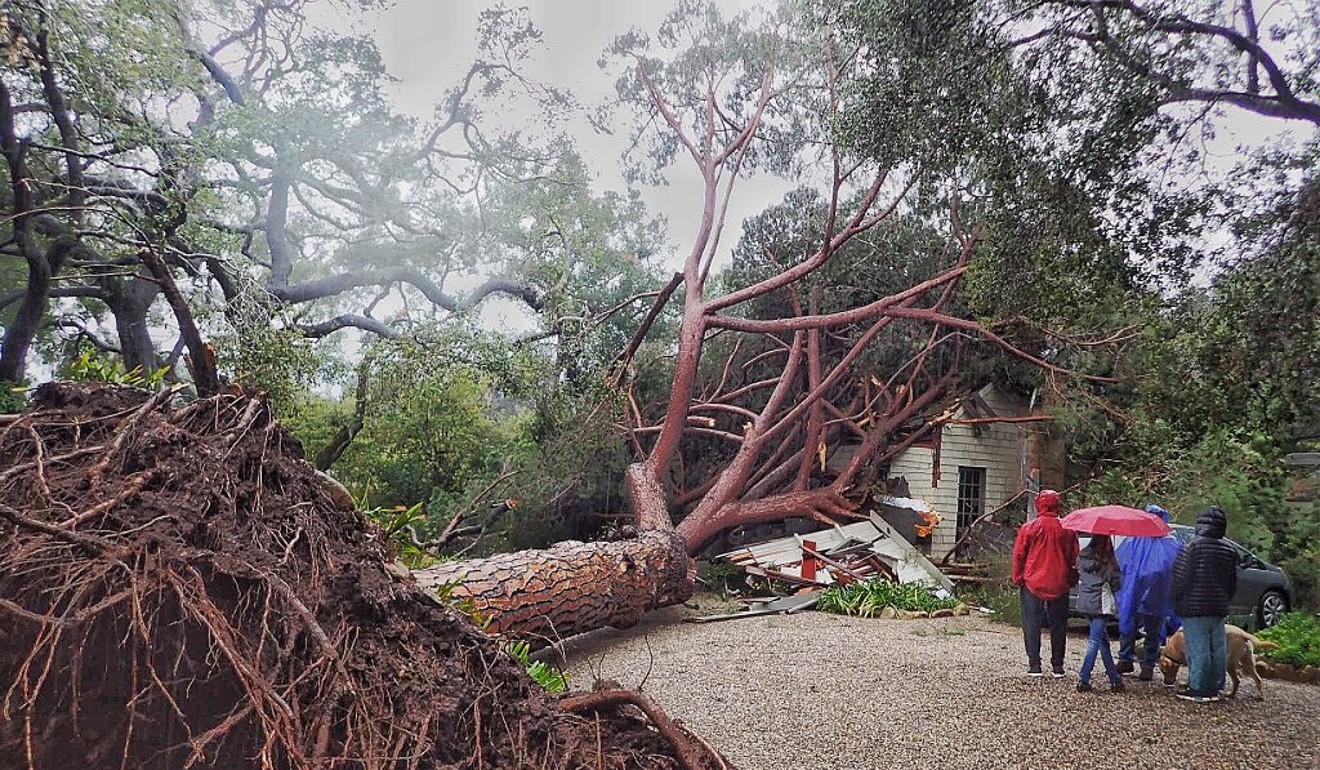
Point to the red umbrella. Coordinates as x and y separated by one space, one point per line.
1116 520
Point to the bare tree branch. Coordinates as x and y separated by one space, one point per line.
348 321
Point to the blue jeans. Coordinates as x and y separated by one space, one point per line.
1207 654
1153 627
1098 642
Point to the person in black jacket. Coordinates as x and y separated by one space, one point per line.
1204 580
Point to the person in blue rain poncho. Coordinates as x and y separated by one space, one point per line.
1144 601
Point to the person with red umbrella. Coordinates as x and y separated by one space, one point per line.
1096 592
1100 576
1044 568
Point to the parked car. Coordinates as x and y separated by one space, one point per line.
1264 592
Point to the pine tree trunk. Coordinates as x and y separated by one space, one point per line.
546 595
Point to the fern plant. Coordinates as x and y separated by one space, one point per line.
550 678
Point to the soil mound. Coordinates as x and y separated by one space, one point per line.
178 589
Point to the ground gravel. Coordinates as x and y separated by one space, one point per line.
821 691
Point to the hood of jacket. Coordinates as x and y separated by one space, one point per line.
1212 522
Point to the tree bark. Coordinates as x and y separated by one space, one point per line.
23 329
205 376
573 587
129 300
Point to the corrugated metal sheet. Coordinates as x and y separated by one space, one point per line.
785 554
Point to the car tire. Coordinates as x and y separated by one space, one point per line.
1271 608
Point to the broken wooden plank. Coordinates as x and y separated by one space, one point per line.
811 550
783 605
787 577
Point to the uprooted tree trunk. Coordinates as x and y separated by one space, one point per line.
546 595
573 587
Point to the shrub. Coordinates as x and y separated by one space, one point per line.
867 598
720 575
1298 637
1304 570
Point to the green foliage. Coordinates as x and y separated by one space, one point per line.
1304 571
443 416
576 469
446 593
1238 471
913 50
259 347
11 397
317 419
552 679
718 574
398 525
90 367
1299 554
1298 637
867 598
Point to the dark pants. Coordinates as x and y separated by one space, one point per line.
1153 628
1038 613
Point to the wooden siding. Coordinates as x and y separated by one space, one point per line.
1001 448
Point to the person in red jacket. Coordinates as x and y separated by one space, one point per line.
1044 568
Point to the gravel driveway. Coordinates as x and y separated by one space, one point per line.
826 692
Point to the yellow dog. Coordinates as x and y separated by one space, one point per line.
1241 657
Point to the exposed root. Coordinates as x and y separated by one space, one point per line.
692 752
178 589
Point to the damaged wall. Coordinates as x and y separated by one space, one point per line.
1002 449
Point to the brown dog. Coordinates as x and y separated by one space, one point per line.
1241 657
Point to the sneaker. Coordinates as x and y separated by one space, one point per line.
1034 671
1083 686
1147 674
1117 686
1058 672
1125 667
1196 696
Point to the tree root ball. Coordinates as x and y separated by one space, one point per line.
179 589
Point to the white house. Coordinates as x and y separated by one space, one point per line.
975 464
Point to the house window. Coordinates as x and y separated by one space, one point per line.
971 496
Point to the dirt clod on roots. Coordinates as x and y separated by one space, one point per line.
179 589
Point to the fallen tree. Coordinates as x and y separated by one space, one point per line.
822 383
178 589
